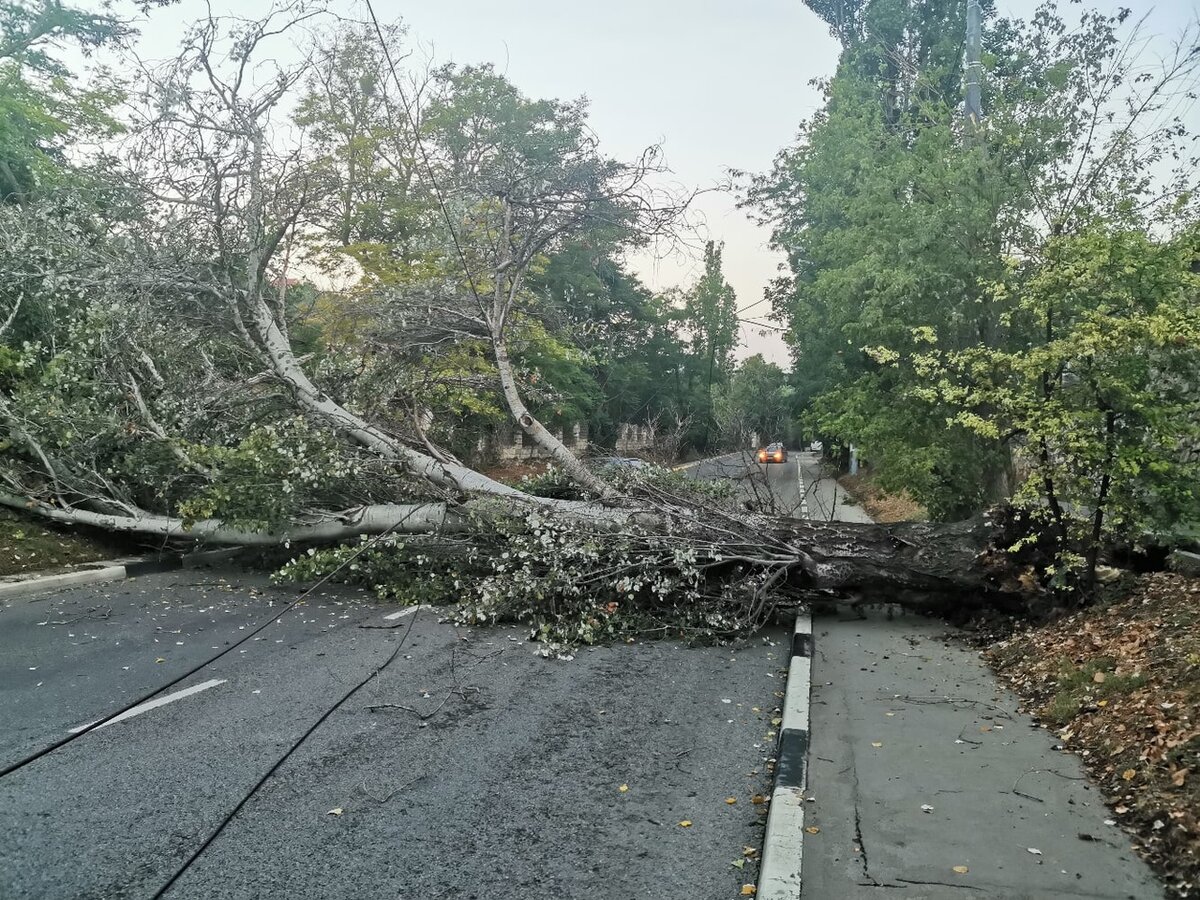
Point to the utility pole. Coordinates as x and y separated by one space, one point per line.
974 64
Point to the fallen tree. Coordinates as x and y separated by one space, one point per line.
174 400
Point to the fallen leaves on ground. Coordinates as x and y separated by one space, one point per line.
961 870
1120 684
624 789
686 823
336 811
30 545
748 890
879 504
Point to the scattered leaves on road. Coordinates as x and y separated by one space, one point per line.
731 800
336 811
813 829
624 789
961 870
876 743
749 890
686 823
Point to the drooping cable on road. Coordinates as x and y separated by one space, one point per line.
229 817
62 742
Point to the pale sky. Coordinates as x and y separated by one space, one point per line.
719 84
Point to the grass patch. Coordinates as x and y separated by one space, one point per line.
27 545
1078 688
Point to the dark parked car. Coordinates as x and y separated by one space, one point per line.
773 453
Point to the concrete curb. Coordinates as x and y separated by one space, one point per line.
783 844
113 570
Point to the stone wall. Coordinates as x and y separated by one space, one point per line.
633 439
513 444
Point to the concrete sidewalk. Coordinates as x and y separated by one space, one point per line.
925 779
920 764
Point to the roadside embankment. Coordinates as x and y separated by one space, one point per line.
1120 686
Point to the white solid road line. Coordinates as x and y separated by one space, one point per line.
154 704
407 611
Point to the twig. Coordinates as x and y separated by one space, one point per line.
363 787
1014 790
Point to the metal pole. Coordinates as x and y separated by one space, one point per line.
974 64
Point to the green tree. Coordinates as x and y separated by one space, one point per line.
1104 411
898 223
757 401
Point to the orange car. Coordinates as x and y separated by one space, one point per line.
773 453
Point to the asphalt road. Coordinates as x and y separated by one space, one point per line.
470 768
473 768
773 486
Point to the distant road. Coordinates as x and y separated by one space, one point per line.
777 486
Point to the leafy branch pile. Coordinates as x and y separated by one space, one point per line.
578 583
250 303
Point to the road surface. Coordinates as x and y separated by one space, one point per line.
473 768
470 768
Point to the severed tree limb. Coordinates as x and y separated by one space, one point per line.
504 294
374 519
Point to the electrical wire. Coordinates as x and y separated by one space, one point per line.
229 817
33 757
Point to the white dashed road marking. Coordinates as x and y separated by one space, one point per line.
154 704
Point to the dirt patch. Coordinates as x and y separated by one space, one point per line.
27 545
1121 687
879 504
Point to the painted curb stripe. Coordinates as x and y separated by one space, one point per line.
131 569
783 844
65 579
795 704
783 849
792 759
802 645
802 641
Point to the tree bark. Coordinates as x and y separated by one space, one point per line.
375 519
889 562
922 565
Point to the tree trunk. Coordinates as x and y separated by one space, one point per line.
889 563
563 458
922 565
